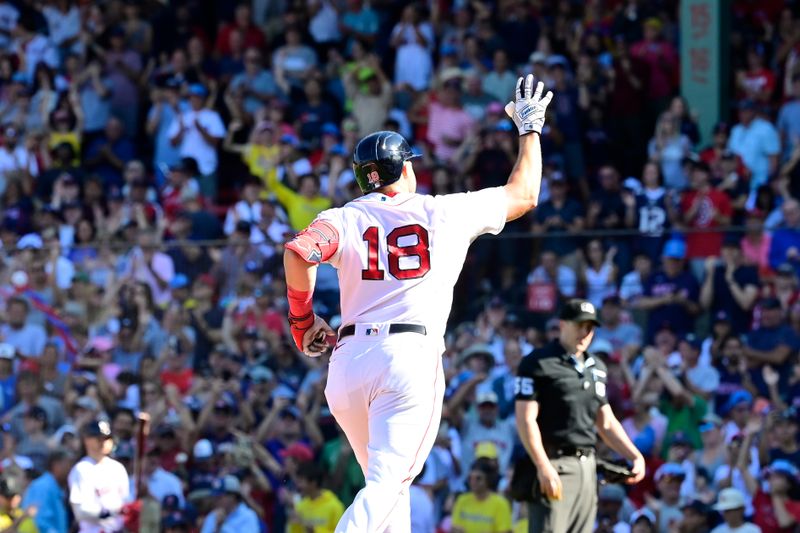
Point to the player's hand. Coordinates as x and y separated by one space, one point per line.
638 470
528 109
549 482
318 338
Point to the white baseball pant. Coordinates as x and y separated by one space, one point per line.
385 391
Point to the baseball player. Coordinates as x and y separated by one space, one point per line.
398 255
98 485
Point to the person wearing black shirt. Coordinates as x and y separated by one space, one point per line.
561 406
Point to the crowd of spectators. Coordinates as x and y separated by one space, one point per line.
155 155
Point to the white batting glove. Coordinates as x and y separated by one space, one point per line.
528 109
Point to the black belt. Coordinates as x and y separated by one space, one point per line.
346 331
570 451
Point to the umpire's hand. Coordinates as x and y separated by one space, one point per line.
549 481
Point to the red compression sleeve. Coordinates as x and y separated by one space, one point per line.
299 302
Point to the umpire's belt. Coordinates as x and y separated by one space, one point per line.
570 451
346 331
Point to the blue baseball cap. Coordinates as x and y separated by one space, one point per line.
740 396
329 128
674 249
198 89
669 470
782 466
179 281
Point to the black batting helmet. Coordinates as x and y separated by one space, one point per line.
378 159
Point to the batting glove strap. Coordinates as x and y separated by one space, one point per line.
298 326
529 107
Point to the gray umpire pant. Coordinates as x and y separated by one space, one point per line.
576 511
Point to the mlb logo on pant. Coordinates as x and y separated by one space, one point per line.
372 331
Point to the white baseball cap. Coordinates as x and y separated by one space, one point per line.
729 499
7 351
203 449
645 513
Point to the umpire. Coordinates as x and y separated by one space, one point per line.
561 407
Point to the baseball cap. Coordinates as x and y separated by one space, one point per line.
97 428
722 316
669 470
480 349
643 514
770 303
577 310
601 346
329 128
486 449
174 519
30 240
782 466
298 451
538 57
740 396
485 397
9 486
680 438
674 249
260 374
698 506
747 105
729 499
692 340
37 413
170 502
228 485
611 493
197 89
709 422
179 281
203 449
7 351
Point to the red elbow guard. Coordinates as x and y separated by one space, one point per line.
317 243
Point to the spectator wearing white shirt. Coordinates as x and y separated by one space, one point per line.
64 25
150 266
15 159
29 339
161 483
731 505
197 132
414 40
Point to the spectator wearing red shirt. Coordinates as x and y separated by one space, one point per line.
776 509
756 83
176 370
704 207
242 21
662 64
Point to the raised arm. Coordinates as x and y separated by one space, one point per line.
528 112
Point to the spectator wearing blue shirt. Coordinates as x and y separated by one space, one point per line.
8 379
167 106
95 95
256 84
46 494
108 153
772 343
671 294
231 515
359 22
785 244
789 120
756 141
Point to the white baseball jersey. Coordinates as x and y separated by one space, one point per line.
399 257
94 487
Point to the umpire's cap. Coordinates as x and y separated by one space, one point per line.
378 159
96 428
577 310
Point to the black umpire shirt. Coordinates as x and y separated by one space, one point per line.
569 395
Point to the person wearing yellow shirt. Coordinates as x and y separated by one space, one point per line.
305 204
12 518
318 510
481 510
261 151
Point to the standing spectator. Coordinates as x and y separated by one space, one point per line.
318 508
668 148
95 90
559 214
148 265
703 207
293 61
652 213
231 514
500 82
370 94
448 123
756 141
46 494
252 36
414 40
167 106
197 132
670 295
481 506
772 343
359 21
757 82
731 504
28 339
124 67
256 85
785 244
789 120
730 286
108 153
567 116
662 62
